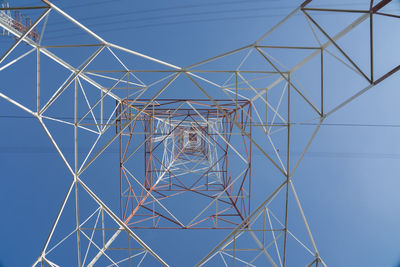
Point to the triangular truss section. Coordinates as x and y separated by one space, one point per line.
265 237
95 233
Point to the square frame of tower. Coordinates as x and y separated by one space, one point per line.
190 149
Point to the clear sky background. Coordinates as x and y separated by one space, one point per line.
348 182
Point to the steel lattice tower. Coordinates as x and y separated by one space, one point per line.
186 148
188 134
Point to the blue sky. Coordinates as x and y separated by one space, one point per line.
348 182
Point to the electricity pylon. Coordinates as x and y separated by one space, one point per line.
189 131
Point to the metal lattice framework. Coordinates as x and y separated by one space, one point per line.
198 127
186 148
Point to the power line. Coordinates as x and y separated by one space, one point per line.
156 25
169 24
211 4
352 124
176 15
94 3
115 29
313 154
143 11
169 16
293 123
